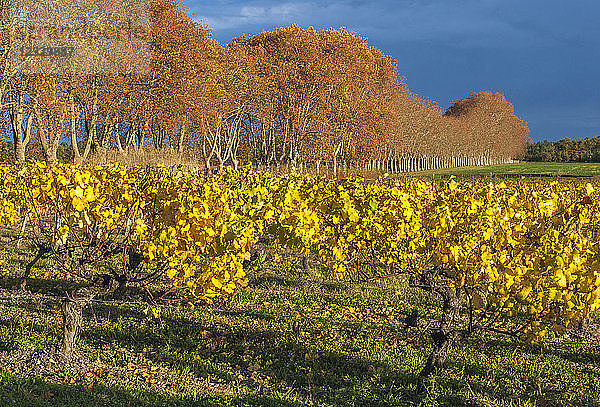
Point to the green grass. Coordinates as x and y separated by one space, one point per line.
291 338
553 169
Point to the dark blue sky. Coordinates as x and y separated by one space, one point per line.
544 56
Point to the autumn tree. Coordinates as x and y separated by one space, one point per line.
493 129
290 96
316 94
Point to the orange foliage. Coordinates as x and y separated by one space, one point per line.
286 96
490 125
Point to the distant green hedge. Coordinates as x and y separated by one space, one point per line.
585 150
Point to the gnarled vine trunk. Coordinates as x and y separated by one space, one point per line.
72 312
446 333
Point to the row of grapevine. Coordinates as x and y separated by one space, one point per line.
520 257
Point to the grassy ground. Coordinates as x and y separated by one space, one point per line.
291 338
553 169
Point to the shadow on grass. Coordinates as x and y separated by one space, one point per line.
218 343
7 346
15 391
268 281
579 356
177 342
528 396
539 388
55 287
336 286
564 350
297 281
219 348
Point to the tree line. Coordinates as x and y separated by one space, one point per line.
302 97
585 150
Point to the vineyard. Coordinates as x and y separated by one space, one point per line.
455 263
185 222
